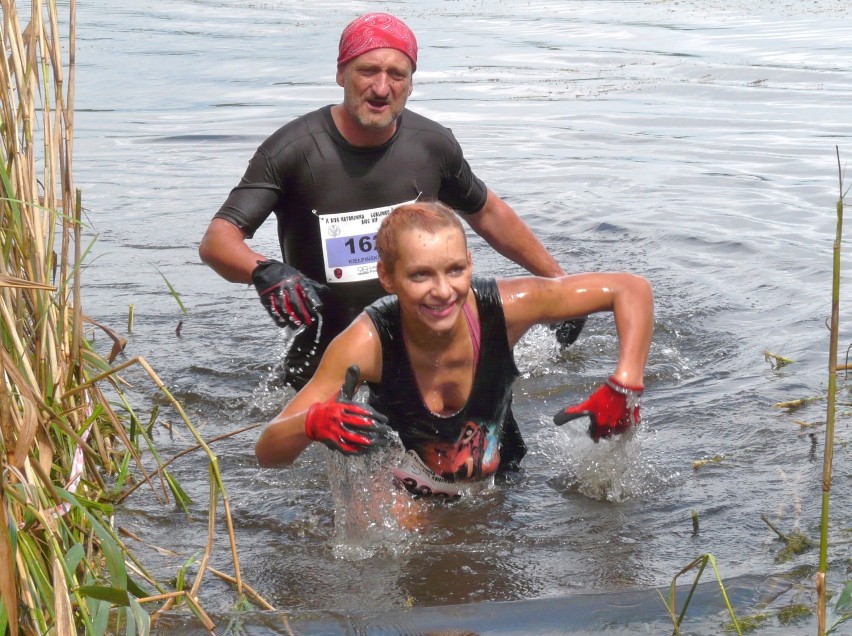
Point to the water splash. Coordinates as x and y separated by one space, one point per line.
534 352
612 470
272 390
370 512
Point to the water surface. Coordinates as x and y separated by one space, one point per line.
690 142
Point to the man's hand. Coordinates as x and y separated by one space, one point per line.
611 410
290 297
344 425
568 331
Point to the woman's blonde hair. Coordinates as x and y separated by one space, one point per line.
428 216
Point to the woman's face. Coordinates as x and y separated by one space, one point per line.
431 276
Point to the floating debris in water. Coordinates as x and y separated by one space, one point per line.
793 613
803 424
715 459
775 360
792 405
746 623
796 542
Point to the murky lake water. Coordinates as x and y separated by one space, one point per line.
690 142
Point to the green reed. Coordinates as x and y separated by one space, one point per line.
671 604
828 454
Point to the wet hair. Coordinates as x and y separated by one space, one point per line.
428 216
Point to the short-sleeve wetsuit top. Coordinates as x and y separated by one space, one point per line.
330 196
464 445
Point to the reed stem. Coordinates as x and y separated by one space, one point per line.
830 412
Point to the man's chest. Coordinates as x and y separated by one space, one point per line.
330 181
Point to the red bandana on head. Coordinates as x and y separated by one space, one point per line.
376 31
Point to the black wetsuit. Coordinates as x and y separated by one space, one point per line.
473 442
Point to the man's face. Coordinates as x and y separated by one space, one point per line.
376 86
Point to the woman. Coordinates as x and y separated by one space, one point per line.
437 356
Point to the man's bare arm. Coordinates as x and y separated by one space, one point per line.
225 250
504 230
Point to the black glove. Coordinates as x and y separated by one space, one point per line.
290 297
344 425
568 331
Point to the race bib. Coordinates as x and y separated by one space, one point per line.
349 243
418 479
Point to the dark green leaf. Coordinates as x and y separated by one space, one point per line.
112 595
181 497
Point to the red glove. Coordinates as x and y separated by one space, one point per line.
612 409
344 425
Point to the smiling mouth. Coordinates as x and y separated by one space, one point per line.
439 310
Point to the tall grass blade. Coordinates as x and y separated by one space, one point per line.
64 619
173 292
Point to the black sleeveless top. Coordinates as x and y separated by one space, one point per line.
463 445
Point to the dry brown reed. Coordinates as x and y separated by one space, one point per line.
63 567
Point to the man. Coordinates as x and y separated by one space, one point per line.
330 177
437 356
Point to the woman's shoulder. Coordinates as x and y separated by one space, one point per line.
358 344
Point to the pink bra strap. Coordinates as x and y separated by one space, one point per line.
475 332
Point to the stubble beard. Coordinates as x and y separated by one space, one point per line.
366 121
